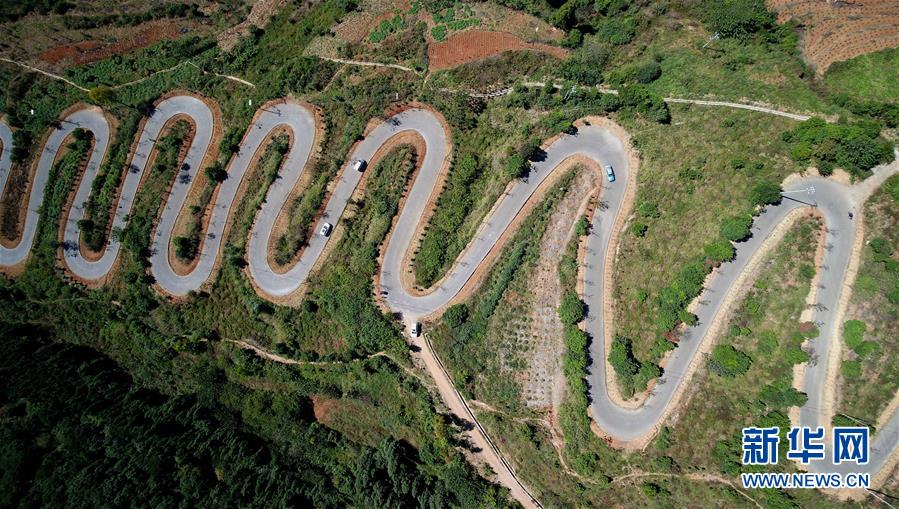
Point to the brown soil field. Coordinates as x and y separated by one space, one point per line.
472 45
836 30
84 52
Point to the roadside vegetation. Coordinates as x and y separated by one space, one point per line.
720 183
870 367
854 147
764 340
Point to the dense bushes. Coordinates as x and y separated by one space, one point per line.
105 186
436 253
648 105
736 228
854 147
648 72
887 113
633 374
572 310
729 362
673 299
78 431
12 11
738 18
765 193
882 254
720 250
854 336
168 10
586 65
781 394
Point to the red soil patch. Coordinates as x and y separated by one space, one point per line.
84 52
841 30
474 45
322 407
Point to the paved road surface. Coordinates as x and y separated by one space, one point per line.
832 200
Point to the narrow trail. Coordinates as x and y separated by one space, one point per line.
596 140
678 100
691 477
133 82
45 73
367 64
280 359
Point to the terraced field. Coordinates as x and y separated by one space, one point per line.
837 31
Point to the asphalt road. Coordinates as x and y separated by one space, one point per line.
832 200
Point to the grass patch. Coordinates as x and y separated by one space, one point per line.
867 76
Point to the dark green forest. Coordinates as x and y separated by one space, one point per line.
77 432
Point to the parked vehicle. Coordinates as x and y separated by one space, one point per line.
325 230
610 173
360 165
416 330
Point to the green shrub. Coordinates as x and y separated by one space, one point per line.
385 28
582 227
438 33
186 247
807 271
647 104
515 166
866 348
891 187
101 94
765 193
674 298
736 228
622 360
729 362
854 333
738 18
572 309
720 250
648 72
856 147
795 355
851 369
216 173
455 315
649 209
617 31
781 394
638 228
663 463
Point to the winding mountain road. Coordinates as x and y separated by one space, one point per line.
595 143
